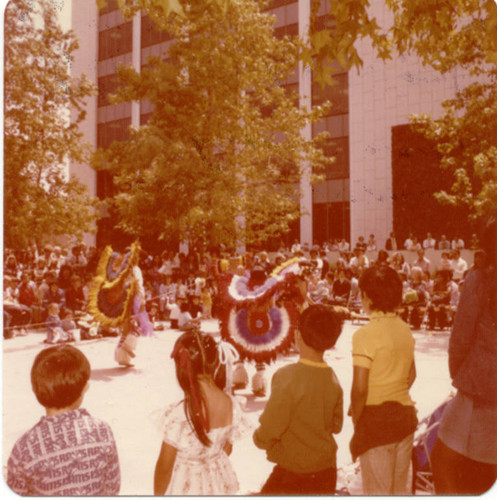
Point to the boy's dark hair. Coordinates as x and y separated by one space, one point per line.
320 326
59 375
383 286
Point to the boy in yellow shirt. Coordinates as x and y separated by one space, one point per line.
303 412
382 409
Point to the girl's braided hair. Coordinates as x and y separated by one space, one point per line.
195 354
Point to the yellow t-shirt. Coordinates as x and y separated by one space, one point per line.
386 347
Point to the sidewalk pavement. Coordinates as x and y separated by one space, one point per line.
130 400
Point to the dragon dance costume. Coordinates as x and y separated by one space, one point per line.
116 299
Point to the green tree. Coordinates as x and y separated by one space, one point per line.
40 202
222 153
444 34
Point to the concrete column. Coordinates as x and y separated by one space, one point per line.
136 59
84 22
305 95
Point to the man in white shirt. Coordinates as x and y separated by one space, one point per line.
429 242
422 262
409 242
343 246
457 244
444 243
459 266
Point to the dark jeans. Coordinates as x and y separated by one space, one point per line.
455 474
285 482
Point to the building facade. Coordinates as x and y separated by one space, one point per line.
365 190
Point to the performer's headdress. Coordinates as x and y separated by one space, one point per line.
258 329
113 289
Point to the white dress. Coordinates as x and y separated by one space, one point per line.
199 469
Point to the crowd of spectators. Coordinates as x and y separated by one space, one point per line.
179 284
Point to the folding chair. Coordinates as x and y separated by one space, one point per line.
424 439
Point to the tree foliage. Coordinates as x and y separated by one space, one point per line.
466 137
444 35
40 202
222 152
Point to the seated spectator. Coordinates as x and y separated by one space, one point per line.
64 279
361 244
341 289
371 245
399 263
445 264
428 282
316 261
55 332
11 268
54 295
185 320
40 269
429 242
295 247
416 245
415 299
16 316
75 295
359 261
326 264
382 258
195 308
342 261
439 312
77 259
343 246
444 243
422 262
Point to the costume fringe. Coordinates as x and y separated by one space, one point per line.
101 282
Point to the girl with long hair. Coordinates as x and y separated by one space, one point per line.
198 432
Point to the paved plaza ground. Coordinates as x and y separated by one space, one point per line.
130 399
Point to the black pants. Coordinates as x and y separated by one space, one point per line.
285 482
455 474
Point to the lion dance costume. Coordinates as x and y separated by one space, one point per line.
116 298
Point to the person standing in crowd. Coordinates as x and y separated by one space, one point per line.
464 457
444 243
429 242
391 243
198 432
457 243
408 244
381 408
371 245
68 452
474 243
303 412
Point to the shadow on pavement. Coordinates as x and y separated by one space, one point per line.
107 374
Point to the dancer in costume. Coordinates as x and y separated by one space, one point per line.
259 319
117 298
